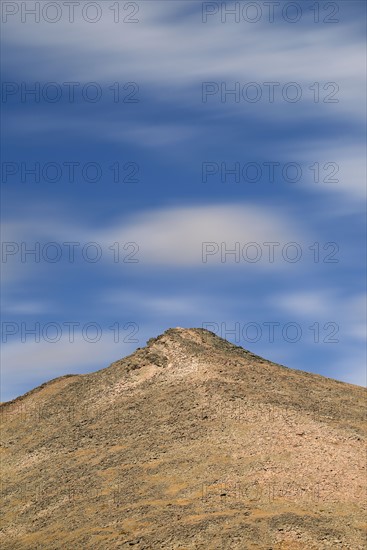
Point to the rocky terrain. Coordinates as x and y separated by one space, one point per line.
188 443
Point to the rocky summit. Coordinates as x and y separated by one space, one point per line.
189 443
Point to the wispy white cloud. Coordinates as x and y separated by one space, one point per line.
167 49
340 170
174 236
139 133
305 303
328 304
24 307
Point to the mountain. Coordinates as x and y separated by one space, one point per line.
189 443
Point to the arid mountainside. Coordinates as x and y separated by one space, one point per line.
188 443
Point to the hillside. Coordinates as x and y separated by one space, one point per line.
188 443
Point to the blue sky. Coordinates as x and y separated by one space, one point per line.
183 125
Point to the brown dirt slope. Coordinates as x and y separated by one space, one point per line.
188 443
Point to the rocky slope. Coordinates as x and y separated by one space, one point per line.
188 443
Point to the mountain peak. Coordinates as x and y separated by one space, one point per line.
178 348
198 337
187 333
